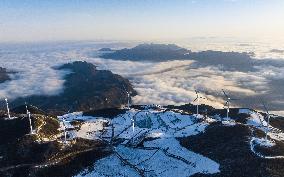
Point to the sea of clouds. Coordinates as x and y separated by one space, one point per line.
171 82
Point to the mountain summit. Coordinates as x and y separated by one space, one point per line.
85 88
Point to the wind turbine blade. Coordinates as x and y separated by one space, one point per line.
235 99
125 89
196 92
265 108
195 99
226 103
225 93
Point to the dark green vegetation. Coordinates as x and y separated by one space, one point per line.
85 88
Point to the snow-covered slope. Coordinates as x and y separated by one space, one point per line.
145 143
145 140
258 121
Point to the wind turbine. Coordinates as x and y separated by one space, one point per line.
133 124
8 111
30 121
128 97
268 118
29 116
228 101
198 101
65 133
27 111
64 126
133 121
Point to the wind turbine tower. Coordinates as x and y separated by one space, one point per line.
133 124
268 119
228 101
30 121
65 133
198 101
128 99
8 110
27 111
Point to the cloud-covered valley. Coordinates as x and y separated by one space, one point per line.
170 82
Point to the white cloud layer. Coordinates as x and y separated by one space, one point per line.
171 82
175 82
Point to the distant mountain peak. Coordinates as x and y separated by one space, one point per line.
158 46
240 61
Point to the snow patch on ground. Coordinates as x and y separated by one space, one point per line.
91 129
262 142
190 164
109 166
163 156
257 120
229 123
244 111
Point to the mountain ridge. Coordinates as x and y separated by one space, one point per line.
172 135
85 88
166 52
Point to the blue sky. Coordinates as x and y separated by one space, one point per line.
40 20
